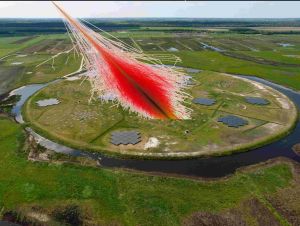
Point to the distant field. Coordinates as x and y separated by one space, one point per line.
21 56
222 29
10 45
23 27
274 57
276 28
288 76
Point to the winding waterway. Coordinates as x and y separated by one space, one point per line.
201 167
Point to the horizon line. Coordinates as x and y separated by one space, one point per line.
269 18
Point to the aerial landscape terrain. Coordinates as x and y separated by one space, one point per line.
70 158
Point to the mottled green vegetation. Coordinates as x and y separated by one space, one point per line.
78 123
250 54
20 66
7 104
9 45
9 77
105 196
215 61
23 27
258 55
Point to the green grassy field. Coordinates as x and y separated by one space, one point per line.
288 76
10 45
258 55
21 66
106 196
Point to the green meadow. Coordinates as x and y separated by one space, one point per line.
105 196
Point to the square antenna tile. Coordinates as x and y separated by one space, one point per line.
257 100
204 101
233 121
125 137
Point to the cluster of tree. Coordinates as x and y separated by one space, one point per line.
40 26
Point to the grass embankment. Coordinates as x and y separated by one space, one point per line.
107 196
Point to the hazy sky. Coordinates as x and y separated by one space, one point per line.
222 9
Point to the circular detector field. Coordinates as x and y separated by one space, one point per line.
89 126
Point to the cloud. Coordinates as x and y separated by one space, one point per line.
286 9
200 9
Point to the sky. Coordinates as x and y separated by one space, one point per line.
119 9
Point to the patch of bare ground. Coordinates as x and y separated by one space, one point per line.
256 213
18 219
37 153
272 127
270 163
206 219
286 202
234 139
22 40
58 214
296 149
40 46
249 212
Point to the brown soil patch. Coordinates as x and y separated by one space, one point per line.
210 219
40 46
296 149
251 210
22 40
286 203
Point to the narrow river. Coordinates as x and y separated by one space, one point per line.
201 167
